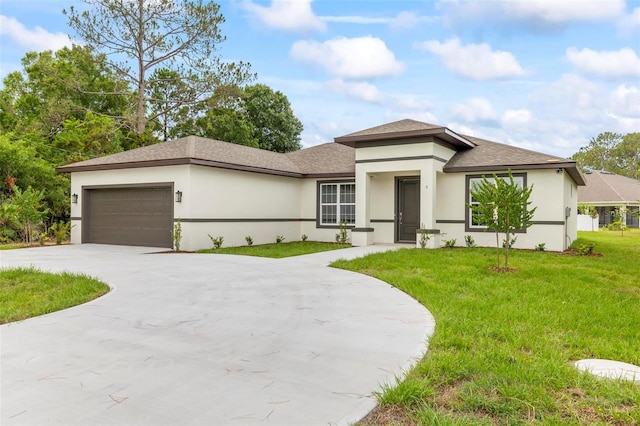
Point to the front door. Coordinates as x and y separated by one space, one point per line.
407 208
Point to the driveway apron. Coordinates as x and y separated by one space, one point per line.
207 340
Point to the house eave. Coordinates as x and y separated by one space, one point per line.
569 167
438 132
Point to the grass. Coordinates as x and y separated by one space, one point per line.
504 343
12 246
279 250
27 292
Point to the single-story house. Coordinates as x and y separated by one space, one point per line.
606 191
385 182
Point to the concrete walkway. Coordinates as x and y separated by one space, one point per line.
207 340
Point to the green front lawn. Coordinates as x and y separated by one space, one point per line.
504 343
279 250
27 292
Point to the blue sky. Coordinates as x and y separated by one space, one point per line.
546 75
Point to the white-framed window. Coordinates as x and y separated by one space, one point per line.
473 223
337 203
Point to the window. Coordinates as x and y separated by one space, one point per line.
337 203
472 218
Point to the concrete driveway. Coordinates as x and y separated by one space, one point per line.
207 340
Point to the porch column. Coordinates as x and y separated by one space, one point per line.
428 204
362 234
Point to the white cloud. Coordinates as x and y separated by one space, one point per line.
355 19
407 20
535 14
411 102
476 61
515 117
629 25
606 63
625 102
37 39
556 12
475 110
424 116
359 90
360 57
290 15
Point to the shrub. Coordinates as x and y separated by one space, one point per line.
249 240
586 249
176 235
469 241
341 236
217 242
510 243
304 237
279 239
424 236
450 243
541 247
61 231
616 226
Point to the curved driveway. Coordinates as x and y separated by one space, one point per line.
208 340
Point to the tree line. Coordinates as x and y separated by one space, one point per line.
139 72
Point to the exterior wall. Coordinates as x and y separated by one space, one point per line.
376 170
552 192
571 210
178 175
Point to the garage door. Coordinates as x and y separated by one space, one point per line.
128 216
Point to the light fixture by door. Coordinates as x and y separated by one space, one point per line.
74 198
178 196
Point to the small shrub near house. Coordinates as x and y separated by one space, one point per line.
217 241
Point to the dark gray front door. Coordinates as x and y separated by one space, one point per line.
128 216
407 208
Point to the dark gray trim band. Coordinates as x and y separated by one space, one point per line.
420 157
362 230
240 220
450 221
382 221
75 218
547 222
428 231
130 185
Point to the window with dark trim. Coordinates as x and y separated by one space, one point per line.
336 203
471 219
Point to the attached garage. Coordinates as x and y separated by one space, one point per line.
135 216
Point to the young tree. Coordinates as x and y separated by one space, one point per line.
139 36
502 205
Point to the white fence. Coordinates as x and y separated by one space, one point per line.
587 223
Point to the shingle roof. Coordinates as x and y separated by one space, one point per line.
607 187
323 159
404 129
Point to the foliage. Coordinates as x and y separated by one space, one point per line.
509 243
424 236
585 249
304 237
469 241
178 36
249 240
254 116
503 206
279 250
217 241
541 247
279 239
60 231
21 167
342 237
505 343
612 152
29 210
176 234
451 243
620 216
28 292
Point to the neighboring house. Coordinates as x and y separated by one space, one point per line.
605 191
384 182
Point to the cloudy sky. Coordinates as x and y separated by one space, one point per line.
540 74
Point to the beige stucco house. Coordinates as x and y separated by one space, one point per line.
606 191
384 182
